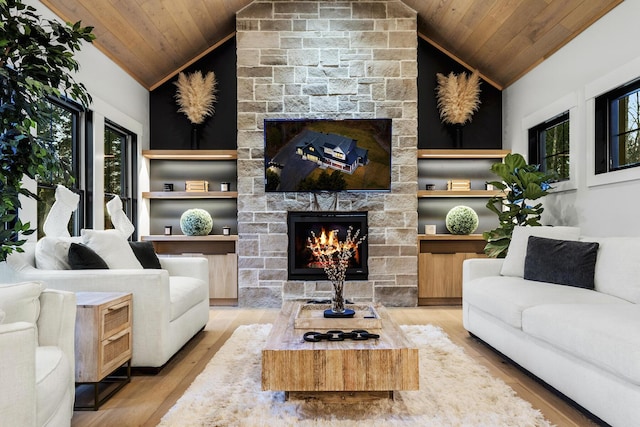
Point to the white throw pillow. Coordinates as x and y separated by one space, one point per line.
112 247
514 262
52 253
21 301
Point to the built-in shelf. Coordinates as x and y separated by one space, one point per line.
182 238
450 237
462 154
190 195
190 154
449 193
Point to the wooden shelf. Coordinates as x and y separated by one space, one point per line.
450 237
189 195
183 238
447 193
190 154
462 154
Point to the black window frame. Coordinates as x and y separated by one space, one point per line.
77 143
605 127
129 183
537 143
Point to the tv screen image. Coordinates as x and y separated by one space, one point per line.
327 155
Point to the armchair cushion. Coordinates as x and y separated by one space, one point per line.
52 370
21 301
112 246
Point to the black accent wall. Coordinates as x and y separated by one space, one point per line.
485 128
172 130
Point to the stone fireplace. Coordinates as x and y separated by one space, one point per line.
338 60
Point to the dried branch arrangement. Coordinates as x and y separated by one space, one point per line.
196 95
458 97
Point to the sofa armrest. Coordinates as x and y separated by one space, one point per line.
474 268
188 266
18 374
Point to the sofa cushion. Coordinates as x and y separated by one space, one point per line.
112 246
563 262
82 257
145 254
185 292
618 267
514 262
2 315
603 334
52 253
52 371
21 301
507 297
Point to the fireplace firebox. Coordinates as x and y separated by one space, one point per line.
300 225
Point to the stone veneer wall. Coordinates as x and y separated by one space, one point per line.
327 59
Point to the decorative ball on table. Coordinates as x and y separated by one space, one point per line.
196 222
461 220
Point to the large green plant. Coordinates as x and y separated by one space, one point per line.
36 62
520 184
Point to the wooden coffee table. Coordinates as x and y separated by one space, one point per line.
374 367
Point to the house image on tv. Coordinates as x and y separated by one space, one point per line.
333 151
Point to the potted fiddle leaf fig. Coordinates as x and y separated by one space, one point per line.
36 63
520 184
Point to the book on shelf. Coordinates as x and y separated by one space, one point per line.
196 186
459 185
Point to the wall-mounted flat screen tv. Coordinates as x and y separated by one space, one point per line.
327 155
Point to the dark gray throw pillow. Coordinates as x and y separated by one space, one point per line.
82 257
146 254
563 262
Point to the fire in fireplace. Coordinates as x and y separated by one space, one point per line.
300 225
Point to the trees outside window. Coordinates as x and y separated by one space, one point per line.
617 133
549 146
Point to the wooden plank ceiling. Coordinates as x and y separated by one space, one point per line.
154 39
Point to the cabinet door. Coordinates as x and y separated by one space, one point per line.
223 276
440 275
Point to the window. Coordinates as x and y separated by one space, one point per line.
119 164
549 146
61 129
617 129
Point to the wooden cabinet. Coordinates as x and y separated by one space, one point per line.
103 342
441 255
440 261
222 256
219 169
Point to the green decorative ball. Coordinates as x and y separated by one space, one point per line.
196 222
462 220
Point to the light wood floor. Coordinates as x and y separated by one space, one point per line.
146 399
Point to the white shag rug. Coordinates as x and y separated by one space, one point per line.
454 391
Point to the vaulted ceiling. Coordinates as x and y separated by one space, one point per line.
154 39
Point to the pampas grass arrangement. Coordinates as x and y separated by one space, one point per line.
196 94
458 97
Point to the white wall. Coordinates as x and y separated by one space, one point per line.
117 97
603 57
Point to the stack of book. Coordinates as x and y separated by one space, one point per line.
459 185
196 186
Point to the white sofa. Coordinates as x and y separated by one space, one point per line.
585 343
170 305
36 356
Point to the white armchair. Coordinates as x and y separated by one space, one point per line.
37 386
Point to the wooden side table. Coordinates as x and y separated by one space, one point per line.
103 340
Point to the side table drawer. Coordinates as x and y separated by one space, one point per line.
115 318
114 351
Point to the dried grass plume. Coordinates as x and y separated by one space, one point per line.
458 97
196 95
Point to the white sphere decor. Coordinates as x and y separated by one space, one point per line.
196 222
461 220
